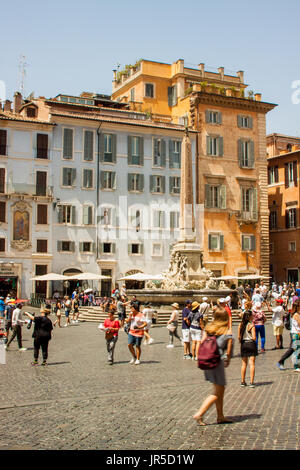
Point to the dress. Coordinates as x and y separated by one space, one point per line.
217 375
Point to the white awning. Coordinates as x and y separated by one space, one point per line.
88 277
50 277
143 277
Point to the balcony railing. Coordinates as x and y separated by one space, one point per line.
28 189
247 216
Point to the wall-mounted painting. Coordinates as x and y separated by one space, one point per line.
21 225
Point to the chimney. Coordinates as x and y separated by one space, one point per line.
240 74
18 101
201 68
221 72
7 106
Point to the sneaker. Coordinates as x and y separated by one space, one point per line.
22 349
151 340
262 350
296 370
132 361
252 385
280 366
145 342
170 346
34 363
44 363
187 356
66 325
243 384
137 362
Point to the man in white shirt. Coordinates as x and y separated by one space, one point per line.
277 322
17 323
204 309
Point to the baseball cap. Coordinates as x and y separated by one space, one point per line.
280 301
188 302
228 298
205 299
222 301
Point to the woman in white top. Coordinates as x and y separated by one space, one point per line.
172 325
295 334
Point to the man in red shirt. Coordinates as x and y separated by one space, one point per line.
137 322
111 335
224 304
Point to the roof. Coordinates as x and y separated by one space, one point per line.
6 116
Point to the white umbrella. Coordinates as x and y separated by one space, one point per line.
254 276
224 278
142 277
88 290
50 277
88 277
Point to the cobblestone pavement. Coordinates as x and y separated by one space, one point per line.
80 402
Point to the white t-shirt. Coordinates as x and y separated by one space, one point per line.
295 327
204 309
17 317
277 318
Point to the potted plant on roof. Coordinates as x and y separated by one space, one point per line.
250 94
203 86
222 90
213 88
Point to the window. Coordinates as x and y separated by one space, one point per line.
41 183
158 219
2 244
248 242
88 176
68 144
106 217
135 248
31 112
67 246
174 184
2 211
87 215
215 242
172 95
88 152
157 184
132 94
69 177
42 246
42 214
249 203
291 178
108 248
159 153
273 220
135 150
214 145
215 196
174 219
2 180
108 179
290 218
213 117
3 142
66 214
174 154
245 122
273 175
42 146
86 247
135 219
157 249
108 143
246 153
135 182
292 246
149 90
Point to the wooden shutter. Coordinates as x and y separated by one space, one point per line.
90 215
2 180
42 145
286 175
130 181
276 174
221 242
208 148
209 242
101 146
42 210
2 211
221 145
129 149
41 183
240 152
239 120
73 176
208 201
254 204
170 96
253 243
141 150
252 155
269 175
88 145
295 173
60 214
114 148
287 225
113 180
243 242
207 116
3 142
85 213
152 180
250 122
222 196
171 153
219 117
171 184
68 144
163 184
140 183
73 215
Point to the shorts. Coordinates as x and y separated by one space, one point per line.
121 316
186 336
248 349
134 340
196 335
67 313
277 330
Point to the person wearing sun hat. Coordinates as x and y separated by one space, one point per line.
197 325
172 325
41 333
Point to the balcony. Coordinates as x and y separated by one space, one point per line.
26 189
247 217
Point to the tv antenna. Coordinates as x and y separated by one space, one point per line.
22 73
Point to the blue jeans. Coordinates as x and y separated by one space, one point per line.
260 330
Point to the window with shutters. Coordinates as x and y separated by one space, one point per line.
42 246
213 117
108 180
214 145
132 94
42 146
66 214
135 182
41 183
42 214
86 247
3 142
88 152
215 196
245 122
174 219
135 150
249 203
88 177
290 215
157 249
157 184
107 248
107 216
108 156
246 153
68 144
273 220
87 215
215 242
69 177
174 154
248 242
172 95
273 175
149 90
66 245
159 153
2 245
2 211
291 176
158 219
174 184
292 247
2 180
135 219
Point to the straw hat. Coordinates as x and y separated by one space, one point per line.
175 305
195 305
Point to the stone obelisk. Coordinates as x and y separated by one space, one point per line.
187 245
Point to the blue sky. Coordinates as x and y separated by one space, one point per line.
73 46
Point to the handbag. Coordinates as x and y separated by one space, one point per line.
109 335
171 327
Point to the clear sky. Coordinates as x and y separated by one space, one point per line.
73 46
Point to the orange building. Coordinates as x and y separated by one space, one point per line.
283 194
231 165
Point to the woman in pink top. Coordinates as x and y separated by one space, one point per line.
259 320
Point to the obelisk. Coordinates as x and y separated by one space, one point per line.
187 245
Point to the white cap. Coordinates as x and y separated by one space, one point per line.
222 301
205 299
228 298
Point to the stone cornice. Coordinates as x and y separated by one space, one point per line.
200 97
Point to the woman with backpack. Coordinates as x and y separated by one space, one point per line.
247 338
259 320
219 334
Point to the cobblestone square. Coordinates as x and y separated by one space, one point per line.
80 402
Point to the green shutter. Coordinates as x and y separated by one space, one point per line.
219 117
171 152
163 184
141 182
73 176
102 175
221 145
60 215
68 144
141 150
130 181
208 201
113 180
254 204
240 152
208 148
129 149
170 95
85 215
253 243
243 243
207 116
73 215
101 146
90 215
251 154
239 120
171 184
221 242
163 153
88 145
209 242
222 196
250 122
114 148
151 183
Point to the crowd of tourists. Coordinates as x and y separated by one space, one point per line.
206 330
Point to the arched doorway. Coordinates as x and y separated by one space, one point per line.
71 284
